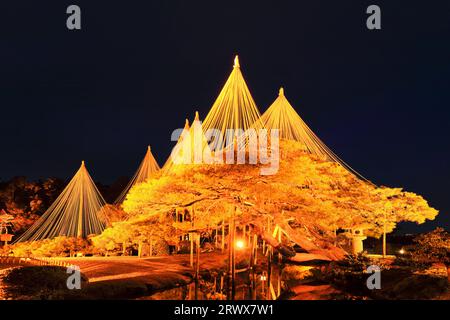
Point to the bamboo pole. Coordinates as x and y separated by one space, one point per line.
80 208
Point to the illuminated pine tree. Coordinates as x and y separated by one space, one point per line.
77 212
146 169
191 148
234 109
282 116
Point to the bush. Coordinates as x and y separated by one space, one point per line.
160 248
433 247
57 247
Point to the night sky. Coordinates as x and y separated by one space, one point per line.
379 99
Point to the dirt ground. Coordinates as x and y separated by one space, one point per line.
137 275
157 272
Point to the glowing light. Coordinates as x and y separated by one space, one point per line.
236 62
263 277
240 244
402 251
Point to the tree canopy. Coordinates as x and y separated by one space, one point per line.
307 191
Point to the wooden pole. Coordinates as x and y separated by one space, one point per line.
140 249
197 265
231 257
191 238
223 235
269 271
221 284
384 237
190 292
263 285
216 244
230 260
197 262
252 271
255 240
279 265
233 273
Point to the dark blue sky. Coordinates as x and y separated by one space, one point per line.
136 70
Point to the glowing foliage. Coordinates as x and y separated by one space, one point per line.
310 192
434 247
59 246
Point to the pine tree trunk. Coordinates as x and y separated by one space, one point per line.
140 249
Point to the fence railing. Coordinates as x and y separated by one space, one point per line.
39 261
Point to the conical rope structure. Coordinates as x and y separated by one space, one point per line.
191 148
77 212
234 109
146 169
281 115
176 151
